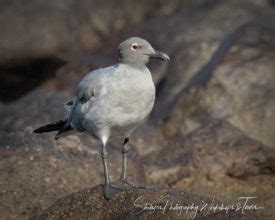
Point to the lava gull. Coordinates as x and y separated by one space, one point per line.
112 102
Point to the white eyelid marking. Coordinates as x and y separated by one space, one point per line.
134 46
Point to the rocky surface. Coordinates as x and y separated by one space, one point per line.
245 74
36 170
211 132
64 27
41 36
135 204
215 159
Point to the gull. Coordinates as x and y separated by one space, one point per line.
113 102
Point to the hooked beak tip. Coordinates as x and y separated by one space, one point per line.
164 57
160 55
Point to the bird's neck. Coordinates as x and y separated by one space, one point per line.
138 66
133 71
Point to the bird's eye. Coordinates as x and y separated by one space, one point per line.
135 46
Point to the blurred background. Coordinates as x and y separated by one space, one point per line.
212 131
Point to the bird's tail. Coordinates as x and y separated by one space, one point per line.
60 126
56 126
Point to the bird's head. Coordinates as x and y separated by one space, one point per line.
137 51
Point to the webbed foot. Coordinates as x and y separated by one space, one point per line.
109 191
123 185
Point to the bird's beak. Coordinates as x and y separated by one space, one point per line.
160 55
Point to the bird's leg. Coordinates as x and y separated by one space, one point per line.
125 149
104 155
108 193
122 183
109 189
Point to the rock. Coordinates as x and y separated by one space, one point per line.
51 33
68 77
36 170
162 203
152 30
38 173
33 110
65 27
147 139
17 79
243 86
241 89
218 160
90 204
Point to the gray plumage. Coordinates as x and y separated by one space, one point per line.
113 101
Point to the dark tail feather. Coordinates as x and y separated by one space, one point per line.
57 126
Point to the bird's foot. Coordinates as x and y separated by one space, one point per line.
122 184
111 189
143 186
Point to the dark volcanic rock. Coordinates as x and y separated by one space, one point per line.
241 89
50 28
63 28
218 160
37 37
90 204
161 203
68 77
33 110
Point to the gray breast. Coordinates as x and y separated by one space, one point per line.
125 100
